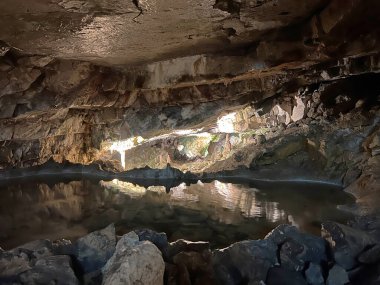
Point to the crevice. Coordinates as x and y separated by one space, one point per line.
137 5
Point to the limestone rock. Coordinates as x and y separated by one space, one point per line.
314 274
346 243
281 276
182 245
297 248
298 110
371 255
158 239
93 250
50 270
134 262
13 263
20 80
337 276
247 261
39 248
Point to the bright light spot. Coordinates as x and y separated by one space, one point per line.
122 146
179 193
184 132
180 147
228 192
127 188
226 123
157 189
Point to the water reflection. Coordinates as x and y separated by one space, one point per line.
219 212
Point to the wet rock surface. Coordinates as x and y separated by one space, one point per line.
93 251
134 262
135 259
346 243
234 264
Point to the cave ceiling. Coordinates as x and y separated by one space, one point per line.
113 32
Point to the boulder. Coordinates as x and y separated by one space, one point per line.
38 248
50 270
134 262
93 250
281 276
20 79
246 261
12 263
371 255
158 239
337 276
289 255
34 263
182 245
314 274
297 248
192 260
346 243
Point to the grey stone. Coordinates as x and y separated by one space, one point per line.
20 79
289 253
297 248
158 239
246 261
281 276
182 245
371 255
39 248
337 276
50 270
134 262
346 243
13 263
314 274
93 250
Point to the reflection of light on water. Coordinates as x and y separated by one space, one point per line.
122 146
178 193
229 192
234 197
157 189
222 196
226 123
130 189
269 210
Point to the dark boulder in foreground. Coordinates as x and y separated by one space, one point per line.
346 243
51 270
314 274
285 256
337 276
281 276
93 250
296 248
246 261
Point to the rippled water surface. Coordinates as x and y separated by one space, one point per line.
218 212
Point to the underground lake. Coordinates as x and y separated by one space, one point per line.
219 212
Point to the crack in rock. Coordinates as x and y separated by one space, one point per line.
137 4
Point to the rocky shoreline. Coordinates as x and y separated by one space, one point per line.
342 255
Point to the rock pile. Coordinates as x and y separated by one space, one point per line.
343 255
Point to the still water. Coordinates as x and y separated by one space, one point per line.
219 212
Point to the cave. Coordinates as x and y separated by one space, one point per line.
190 142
